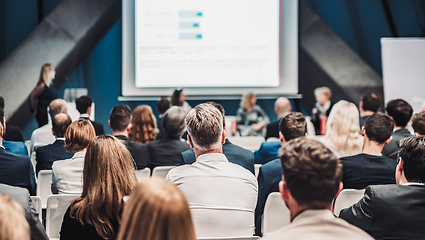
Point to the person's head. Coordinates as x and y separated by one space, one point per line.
173 122
108 176
143 125
221 109
47 74
400 111
378 128
57 106
323 95
156 210
120 118
282 106
292 126
78 135
178 97
312 174
418 123
205 128
60 123
13 224
370 102
248 101
83 104
162 105
411 161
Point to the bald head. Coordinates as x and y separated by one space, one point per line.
57 106
282 106
60 123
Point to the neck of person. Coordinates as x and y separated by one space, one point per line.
366 113
281 115
372 147
119 133
296 210
199 152
399 127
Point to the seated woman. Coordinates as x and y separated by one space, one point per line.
179 99
250 117
156 210
68 174
143 125
108 176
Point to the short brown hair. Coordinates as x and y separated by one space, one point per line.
78 135
311 171
379 127
418 123
13 225
412 151
120 117
293 125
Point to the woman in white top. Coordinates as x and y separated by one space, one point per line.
68 174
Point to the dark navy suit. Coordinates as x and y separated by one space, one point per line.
268 151
138 151
391 150
98 127
45 156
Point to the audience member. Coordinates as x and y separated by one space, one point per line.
161 106
342 134
120 124
250 117
370 104
13 225
179 99
395 211
221 195
108 176
418 123
13 141
156 210
268 151
68 174
83 105
401 112
45 156
321 109
143 125
233 153
312 177
282 106
16 147
292 126
12 133
370 167
15 170
43 136
168 151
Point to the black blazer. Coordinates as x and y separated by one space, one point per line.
98 127
391 150
273 130
233 153
46 155
390 212
13 134
139 152
166 152
16 170
22 197
315 119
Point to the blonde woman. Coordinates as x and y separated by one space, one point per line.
342 130
143 125
250 117
13 224
156 210
43 94
108 176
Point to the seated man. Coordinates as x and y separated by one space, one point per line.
400 112
282 106
233 153
418 123
120 124
370 104
45 156
291 126
161 107
268 151
221 195
83 105
12 133
311 180
370 167
395 211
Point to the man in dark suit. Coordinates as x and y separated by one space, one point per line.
400 112
282 106
292 126
120 124
418 123
45 156
233 153
370 104
83 105
15 170
395 211
12 133
22 197
370 167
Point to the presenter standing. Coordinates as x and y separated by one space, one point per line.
43 94
179 99
250 117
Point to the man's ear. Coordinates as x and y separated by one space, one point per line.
363 131
341 186
189 140
400 165
109 124
281 138
388 140
128 127
53 132
89 110
284 191
361 105
223 137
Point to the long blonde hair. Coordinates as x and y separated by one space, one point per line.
246 100
157 210
44 74
143 129
342 129
108 176
13 225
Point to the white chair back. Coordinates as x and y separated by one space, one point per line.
28 145
346 198
162 171
252 143
231 238
276 214
272 139
44 186
56 209
32 157
36 200
143 174
257 169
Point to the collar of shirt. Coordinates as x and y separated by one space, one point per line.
1 146
63 139
397 128
84 115
413 183
216 157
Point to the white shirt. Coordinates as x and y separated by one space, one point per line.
222 196
68 174
42 136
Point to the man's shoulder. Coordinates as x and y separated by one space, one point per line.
235 148
272 165
391 191
18 157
